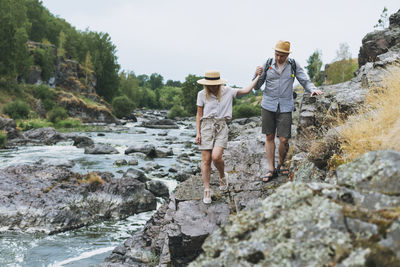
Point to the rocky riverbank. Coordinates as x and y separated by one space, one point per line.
53 199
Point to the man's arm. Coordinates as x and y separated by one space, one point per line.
305 81
263 75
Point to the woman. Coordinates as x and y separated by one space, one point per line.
214 109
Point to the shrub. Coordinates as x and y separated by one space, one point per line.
122 106
177 111
69 123
33 124
17 109
3 138
246 110
44 93
57 113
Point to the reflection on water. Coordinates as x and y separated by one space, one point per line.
88 245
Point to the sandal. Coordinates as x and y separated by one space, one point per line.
267 178
207 196
282 171
224 187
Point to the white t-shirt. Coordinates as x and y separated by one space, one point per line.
215 108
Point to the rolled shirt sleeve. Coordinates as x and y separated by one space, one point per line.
303 79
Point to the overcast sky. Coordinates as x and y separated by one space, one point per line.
180 37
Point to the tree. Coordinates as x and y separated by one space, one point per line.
383 20
343 68
190 88
87 66
173 83
61 43
104 61
143 79
14 55
129 86
314 67
155 81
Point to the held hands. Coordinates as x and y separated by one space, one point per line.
198 139
259 70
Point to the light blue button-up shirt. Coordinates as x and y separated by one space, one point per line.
279 87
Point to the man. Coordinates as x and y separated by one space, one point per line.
277 103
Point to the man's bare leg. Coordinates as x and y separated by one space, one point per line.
283 150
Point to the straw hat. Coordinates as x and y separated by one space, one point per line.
212 77
282 46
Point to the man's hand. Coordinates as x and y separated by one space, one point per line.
259 70
198 139
316 92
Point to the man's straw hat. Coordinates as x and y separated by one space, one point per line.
212 77
283 46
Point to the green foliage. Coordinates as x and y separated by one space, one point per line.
155 81
173 83
122 106
177 111
69 123
44 93
190 88
314 67
104 62
341 71
3 139
14 55
26 125
45 59
57 114
129 86
17 109
245 110
169 96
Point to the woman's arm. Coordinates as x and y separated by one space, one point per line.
199 115
247 89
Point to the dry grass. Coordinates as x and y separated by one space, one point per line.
377 125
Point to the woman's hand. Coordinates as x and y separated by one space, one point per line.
198 139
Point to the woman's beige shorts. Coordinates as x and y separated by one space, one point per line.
214 132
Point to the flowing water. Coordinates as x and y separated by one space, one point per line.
90 245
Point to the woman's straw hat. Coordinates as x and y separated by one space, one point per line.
282 46
212 77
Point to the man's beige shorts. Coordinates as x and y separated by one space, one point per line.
214 132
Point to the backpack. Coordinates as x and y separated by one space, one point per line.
293 66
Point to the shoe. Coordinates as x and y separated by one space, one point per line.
225 187
207 196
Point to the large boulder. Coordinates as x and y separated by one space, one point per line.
380 42
101 149
53 199
161 124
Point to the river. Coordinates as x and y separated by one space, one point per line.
90 245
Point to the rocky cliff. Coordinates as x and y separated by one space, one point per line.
76 85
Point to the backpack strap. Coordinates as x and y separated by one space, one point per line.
292 63
268 64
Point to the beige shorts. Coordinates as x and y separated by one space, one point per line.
214 132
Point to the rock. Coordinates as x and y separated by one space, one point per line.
133 162
161 124
131 117
163 152
120 162
181 176
101 149
57 162
380 42
136 174
158 188
147 149
10 127
47 136
51 199
82 141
